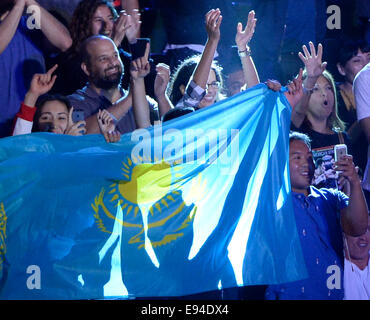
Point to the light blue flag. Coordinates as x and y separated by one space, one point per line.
197 204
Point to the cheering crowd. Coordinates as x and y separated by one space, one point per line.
95 74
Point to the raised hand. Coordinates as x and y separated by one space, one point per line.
120 27
313 62
295 90
161 80
75 129
107 126
40 84
140 67
133 30
243 37
213 22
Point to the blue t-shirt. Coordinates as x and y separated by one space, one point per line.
20 60
318 224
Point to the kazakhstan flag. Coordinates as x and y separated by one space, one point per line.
193 205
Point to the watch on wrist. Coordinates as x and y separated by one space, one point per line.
245 53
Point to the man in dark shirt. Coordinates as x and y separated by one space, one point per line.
104 69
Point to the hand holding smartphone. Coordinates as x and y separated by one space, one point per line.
138 48
340 150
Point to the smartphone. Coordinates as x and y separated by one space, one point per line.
138 48
340 150
78 115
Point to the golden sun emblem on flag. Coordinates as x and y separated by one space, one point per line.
151 188
3 219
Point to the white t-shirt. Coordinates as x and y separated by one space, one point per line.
361 90
356 282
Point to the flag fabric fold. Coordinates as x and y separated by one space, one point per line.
198 203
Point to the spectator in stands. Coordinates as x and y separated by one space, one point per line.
20 54
356 281
361 88
50 113
198 73
321 215
237 63
198 80
317 114
53 113
233 72
94 17
353 56
102 65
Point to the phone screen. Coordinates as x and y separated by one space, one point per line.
138 48
77 115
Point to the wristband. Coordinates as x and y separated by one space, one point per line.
245 53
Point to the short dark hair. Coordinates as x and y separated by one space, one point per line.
349 49
298 136
41 102
177 112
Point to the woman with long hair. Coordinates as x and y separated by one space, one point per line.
317 115
94 17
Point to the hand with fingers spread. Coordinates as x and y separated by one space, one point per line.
213 22
75 129
161 80
121 25
313 63
243 37
140 67
107 126
133 31
40 84
295 90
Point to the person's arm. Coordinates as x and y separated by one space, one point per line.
361 92
40 84
54 31
354 218
314 68
118 109
107 126
127 25
132 8
242 39
9 25
365 125
160 85
201 72
140 68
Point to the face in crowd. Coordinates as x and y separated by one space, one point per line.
53 117
104 66
235 82
301 166
322 101
102 22
354 65
359 247
212 90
